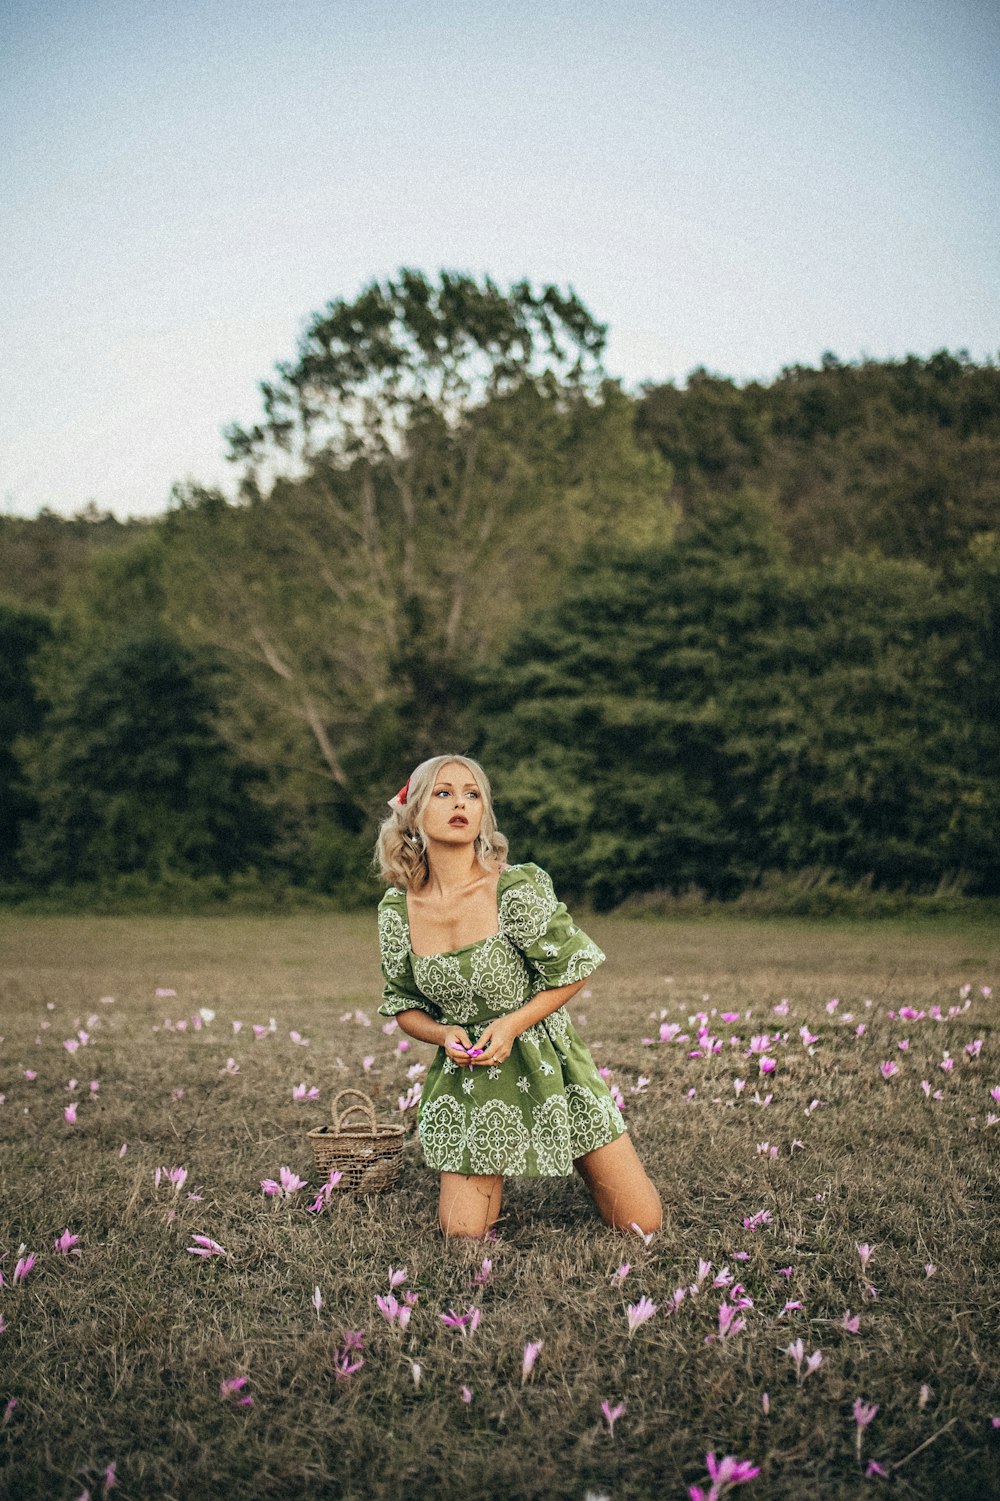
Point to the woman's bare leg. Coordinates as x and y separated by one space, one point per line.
468 1204
619 1185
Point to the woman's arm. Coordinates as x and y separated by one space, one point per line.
418 1024
499 1037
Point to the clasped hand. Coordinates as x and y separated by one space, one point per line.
494 1045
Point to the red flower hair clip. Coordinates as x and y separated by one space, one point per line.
399 801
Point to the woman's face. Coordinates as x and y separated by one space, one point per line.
453 814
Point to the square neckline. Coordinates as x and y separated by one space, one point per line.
450 953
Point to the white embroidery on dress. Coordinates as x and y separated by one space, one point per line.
525 909
523 1084
498 1138
439 977
392 942
494 1071
550 1137
591 1125
441 1124
546 1068
499 974
468 1085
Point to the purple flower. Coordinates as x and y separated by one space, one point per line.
23 1267
206 1246
638 1313
612 1414
528 1359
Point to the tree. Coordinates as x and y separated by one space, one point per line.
709 712
129 776
22 633
460 450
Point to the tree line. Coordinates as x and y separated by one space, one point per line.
701 636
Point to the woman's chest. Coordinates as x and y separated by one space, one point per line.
440 928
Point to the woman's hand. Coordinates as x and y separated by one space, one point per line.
497 1040
456 1043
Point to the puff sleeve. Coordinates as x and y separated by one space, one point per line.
538 924
400 991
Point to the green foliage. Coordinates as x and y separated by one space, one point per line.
371 370
903 456
703 714
129 776
480 548
22 633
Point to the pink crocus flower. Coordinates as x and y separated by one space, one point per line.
466 1394
465 1323
231 1386
483 1275
863 1414
638 1313
317 1300
110 1477
206 1246
723 1474
865 1254
23 1267
344 1362
612 1414
8 1411
851 1322
995 1094
289 1183
530 1355
397 1275
70 1113
66 1244
729 1324
388 1307
888 1068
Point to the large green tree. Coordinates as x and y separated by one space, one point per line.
22 633
129 775
709 712
460 448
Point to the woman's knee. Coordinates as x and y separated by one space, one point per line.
468 1206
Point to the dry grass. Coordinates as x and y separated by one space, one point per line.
118 1355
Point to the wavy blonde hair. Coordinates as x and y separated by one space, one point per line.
401 848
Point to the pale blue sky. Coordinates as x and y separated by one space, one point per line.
740 184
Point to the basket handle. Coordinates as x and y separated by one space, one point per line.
366 1107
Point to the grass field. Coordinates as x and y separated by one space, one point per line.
114 1357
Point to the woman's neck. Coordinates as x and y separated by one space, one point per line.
450 869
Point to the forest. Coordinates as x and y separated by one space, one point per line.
708 640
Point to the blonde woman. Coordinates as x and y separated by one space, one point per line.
479 958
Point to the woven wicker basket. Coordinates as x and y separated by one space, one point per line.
366 1153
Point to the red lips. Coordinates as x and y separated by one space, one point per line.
458 819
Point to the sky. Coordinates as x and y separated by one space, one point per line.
735 184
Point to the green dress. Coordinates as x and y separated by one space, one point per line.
546 1104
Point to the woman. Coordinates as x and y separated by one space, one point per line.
479 957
